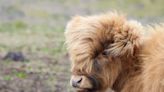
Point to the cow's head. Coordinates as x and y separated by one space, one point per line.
96 45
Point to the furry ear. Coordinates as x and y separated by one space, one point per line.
126 40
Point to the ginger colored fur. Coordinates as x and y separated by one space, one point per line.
116 54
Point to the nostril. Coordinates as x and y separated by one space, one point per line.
78 81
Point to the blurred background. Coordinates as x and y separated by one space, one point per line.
33 57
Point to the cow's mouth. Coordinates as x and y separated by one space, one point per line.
85 90
85 83
95 83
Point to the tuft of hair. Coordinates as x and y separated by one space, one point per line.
109 34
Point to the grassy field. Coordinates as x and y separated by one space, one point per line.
36 28
46 68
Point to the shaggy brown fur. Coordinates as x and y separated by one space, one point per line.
109 51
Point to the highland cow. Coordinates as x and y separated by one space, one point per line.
110 52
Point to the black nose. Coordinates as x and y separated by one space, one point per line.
76 82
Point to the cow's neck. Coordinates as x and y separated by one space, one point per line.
129 79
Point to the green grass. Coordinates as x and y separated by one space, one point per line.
137 8
7 77
21 75
39 38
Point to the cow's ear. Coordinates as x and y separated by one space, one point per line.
126 40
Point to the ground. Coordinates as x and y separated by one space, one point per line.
36 28
46 68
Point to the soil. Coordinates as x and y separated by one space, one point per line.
18 77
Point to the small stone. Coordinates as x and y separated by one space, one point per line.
15 56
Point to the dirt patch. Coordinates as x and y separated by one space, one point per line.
44 75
